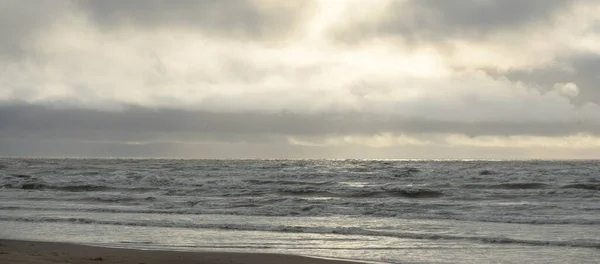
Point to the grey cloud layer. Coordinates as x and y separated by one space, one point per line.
221 17
142 124
21 22
441 20
581 69
472 17
29 130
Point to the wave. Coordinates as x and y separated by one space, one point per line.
533 185
405 193
523 185
191 210
22 176
306 192
509 186
487 172
313 230
117 199
416 193
405 172
66 188
89 173
75 187
583 186
284 182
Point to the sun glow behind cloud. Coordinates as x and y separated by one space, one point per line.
79 62
388 140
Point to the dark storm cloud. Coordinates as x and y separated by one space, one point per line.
439 20
142 124
222 17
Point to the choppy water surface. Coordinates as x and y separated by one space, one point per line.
389 211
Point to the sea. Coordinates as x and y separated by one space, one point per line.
383 211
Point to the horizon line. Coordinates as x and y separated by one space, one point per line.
300 159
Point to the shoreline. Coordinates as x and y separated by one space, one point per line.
38 252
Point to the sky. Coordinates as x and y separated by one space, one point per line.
380 79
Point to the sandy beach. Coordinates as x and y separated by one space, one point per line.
33 252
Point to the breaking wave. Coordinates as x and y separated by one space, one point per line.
314 230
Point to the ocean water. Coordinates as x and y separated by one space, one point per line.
383 211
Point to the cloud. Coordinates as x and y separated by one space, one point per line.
387 140
34 130
581 69
482 33
375 141
21 23
567 89
135 124
438 20
238 18
264 74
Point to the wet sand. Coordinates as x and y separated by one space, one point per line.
33 252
